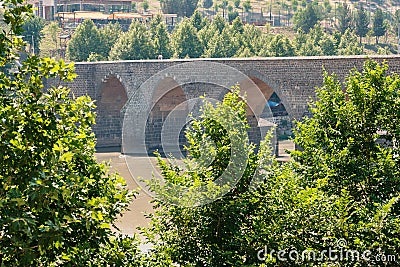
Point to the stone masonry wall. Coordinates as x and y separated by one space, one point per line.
293 79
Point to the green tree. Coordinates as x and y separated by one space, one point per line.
351 142
247 6
134 8
207 235
378 27
145 5
236 3
134 44
58 204
206 34
362 23
49 43
344 18
279 46
237 26
232 15
307 18
349 44
32 33
327 44
310 44
220 23
184 8
271 206
244 52
295 5
207 3
185 42
352 176
109 35
84 41
358 126
93 57
251 38
327 7
161 41
309 48
221 45
197 20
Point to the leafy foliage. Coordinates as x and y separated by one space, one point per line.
162 45
351 143
109 35
145 5
221 45
49 44
358 127
198 21
306 19
185 41
182 8
247 5
362 23
236 39
211 234
279 46
32 33
57 203
378 27
134 44
342 185
232 15
348 44
85 41
344 18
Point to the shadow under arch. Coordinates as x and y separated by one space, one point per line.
111 99
165 124
268 87
272 107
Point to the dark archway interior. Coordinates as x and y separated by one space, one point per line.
168 97
110 102
276 106
273 110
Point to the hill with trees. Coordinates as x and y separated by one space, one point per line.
294 25
199 37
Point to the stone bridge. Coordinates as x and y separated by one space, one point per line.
149 91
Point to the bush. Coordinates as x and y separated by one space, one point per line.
58 204
340 193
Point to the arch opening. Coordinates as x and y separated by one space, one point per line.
167 119
270 112
108 127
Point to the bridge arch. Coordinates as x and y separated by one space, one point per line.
271 109
111 98
268 87
167 118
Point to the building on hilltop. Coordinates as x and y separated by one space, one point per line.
105 6
48 9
